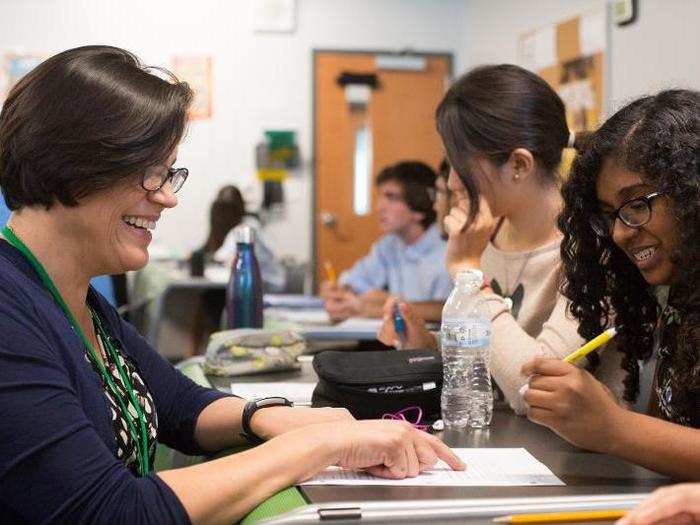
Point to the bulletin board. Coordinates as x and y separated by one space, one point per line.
571 57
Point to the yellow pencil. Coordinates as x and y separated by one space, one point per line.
559 517
592 345
330 271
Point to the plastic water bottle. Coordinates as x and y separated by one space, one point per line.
244 298
465 334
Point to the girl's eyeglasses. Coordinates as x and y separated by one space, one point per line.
634 213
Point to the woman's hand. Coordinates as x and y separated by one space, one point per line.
467 241
417 336
572 403
674 505
273 421
389 449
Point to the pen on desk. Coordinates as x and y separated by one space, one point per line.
330 271
559 517
591 345
399 325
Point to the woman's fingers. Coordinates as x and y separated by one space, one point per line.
444 452
387 334
414 324
546 367
541 416
389 304
412 464
544 383
391 449
540 399
426 456
454 226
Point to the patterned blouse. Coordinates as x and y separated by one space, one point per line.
125 444
688 415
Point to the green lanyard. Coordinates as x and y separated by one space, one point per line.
140 438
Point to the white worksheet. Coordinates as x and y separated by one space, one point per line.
297 393
355 328
302 316
486 467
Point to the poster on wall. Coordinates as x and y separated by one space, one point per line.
197 72
570 56
14 66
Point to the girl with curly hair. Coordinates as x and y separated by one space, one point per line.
631 224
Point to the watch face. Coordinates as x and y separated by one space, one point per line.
272 401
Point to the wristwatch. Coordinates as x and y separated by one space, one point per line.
253 406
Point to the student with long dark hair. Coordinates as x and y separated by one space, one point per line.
504 130
228 211
631 224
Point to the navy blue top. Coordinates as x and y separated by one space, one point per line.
57 446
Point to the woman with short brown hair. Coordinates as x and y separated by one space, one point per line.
88 141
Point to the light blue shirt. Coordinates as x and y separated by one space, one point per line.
415 272
4 211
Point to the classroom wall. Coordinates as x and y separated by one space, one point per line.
260 80
264 80
660 50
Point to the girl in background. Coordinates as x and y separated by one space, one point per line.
228 211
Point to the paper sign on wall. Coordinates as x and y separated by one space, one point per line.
197 72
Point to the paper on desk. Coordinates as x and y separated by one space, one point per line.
217 273
486 467
292 301
297 393
359 328
305 316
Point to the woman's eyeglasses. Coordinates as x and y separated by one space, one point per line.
156 177
634 213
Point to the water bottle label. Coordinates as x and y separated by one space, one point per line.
460 334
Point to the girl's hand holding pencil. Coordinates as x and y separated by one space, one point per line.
570 401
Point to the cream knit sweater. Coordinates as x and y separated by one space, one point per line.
543 327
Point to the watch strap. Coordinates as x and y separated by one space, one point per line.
251 407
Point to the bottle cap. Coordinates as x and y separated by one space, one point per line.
244 234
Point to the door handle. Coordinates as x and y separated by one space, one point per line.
328 219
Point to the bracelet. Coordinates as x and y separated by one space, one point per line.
251 407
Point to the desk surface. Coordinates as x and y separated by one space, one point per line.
583 472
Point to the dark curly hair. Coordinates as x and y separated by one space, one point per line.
657 137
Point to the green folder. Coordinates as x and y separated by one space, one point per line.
283 501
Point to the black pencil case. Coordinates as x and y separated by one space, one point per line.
371 384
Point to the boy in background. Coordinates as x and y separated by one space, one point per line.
407 261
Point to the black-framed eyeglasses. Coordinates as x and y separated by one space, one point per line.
155 178
634 213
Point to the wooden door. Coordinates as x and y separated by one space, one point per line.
401 116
